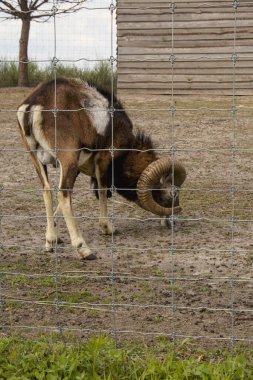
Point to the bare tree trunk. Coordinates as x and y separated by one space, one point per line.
23 80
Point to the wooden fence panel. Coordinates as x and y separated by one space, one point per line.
200 35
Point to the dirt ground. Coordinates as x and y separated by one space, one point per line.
194 280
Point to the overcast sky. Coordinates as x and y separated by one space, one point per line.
85 34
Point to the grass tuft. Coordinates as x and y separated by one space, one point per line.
99 358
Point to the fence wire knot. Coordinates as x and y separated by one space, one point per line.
234 58
233 220
111 111
173 150
233 110
54 61
57 302
55 188
232 251
112 59
60 329
54 10
55 111
113 189
173 110
233 191
234 151
172 250
112 150
173 219
235 4
112 7
172 59
173 7
174 307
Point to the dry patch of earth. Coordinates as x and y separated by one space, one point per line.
194 280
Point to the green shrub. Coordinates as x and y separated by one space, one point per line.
8 74
101 75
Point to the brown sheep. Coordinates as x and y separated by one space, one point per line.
83 129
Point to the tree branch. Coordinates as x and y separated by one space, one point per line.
35 5
22 9
8 5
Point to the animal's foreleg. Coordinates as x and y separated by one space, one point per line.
76 237
68 176
105 225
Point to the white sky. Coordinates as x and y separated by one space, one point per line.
85 34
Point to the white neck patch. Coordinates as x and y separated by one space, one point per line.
97 107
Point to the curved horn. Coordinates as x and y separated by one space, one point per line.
151 176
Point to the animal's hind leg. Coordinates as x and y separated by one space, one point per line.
51 233
69 173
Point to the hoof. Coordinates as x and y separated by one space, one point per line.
51 244
49 249
84 253
167 222
107 228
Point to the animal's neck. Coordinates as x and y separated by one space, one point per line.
128 170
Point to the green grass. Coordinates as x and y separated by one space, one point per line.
100 75
44 289
99 358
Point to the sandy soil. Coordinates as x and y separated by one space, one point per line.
194 280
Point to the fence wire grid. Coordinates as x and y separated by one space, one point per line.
41 292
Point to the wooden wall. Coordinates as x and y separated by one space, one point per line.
200 34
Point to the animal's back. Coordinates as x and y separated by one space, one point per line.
78 113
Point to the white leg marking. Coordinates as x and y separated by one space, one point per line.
76 238
51 233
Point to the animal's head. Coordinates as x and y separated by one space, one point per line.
151 182
158 186
165 193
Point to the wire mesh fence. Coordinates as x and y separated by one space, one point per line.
193 280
